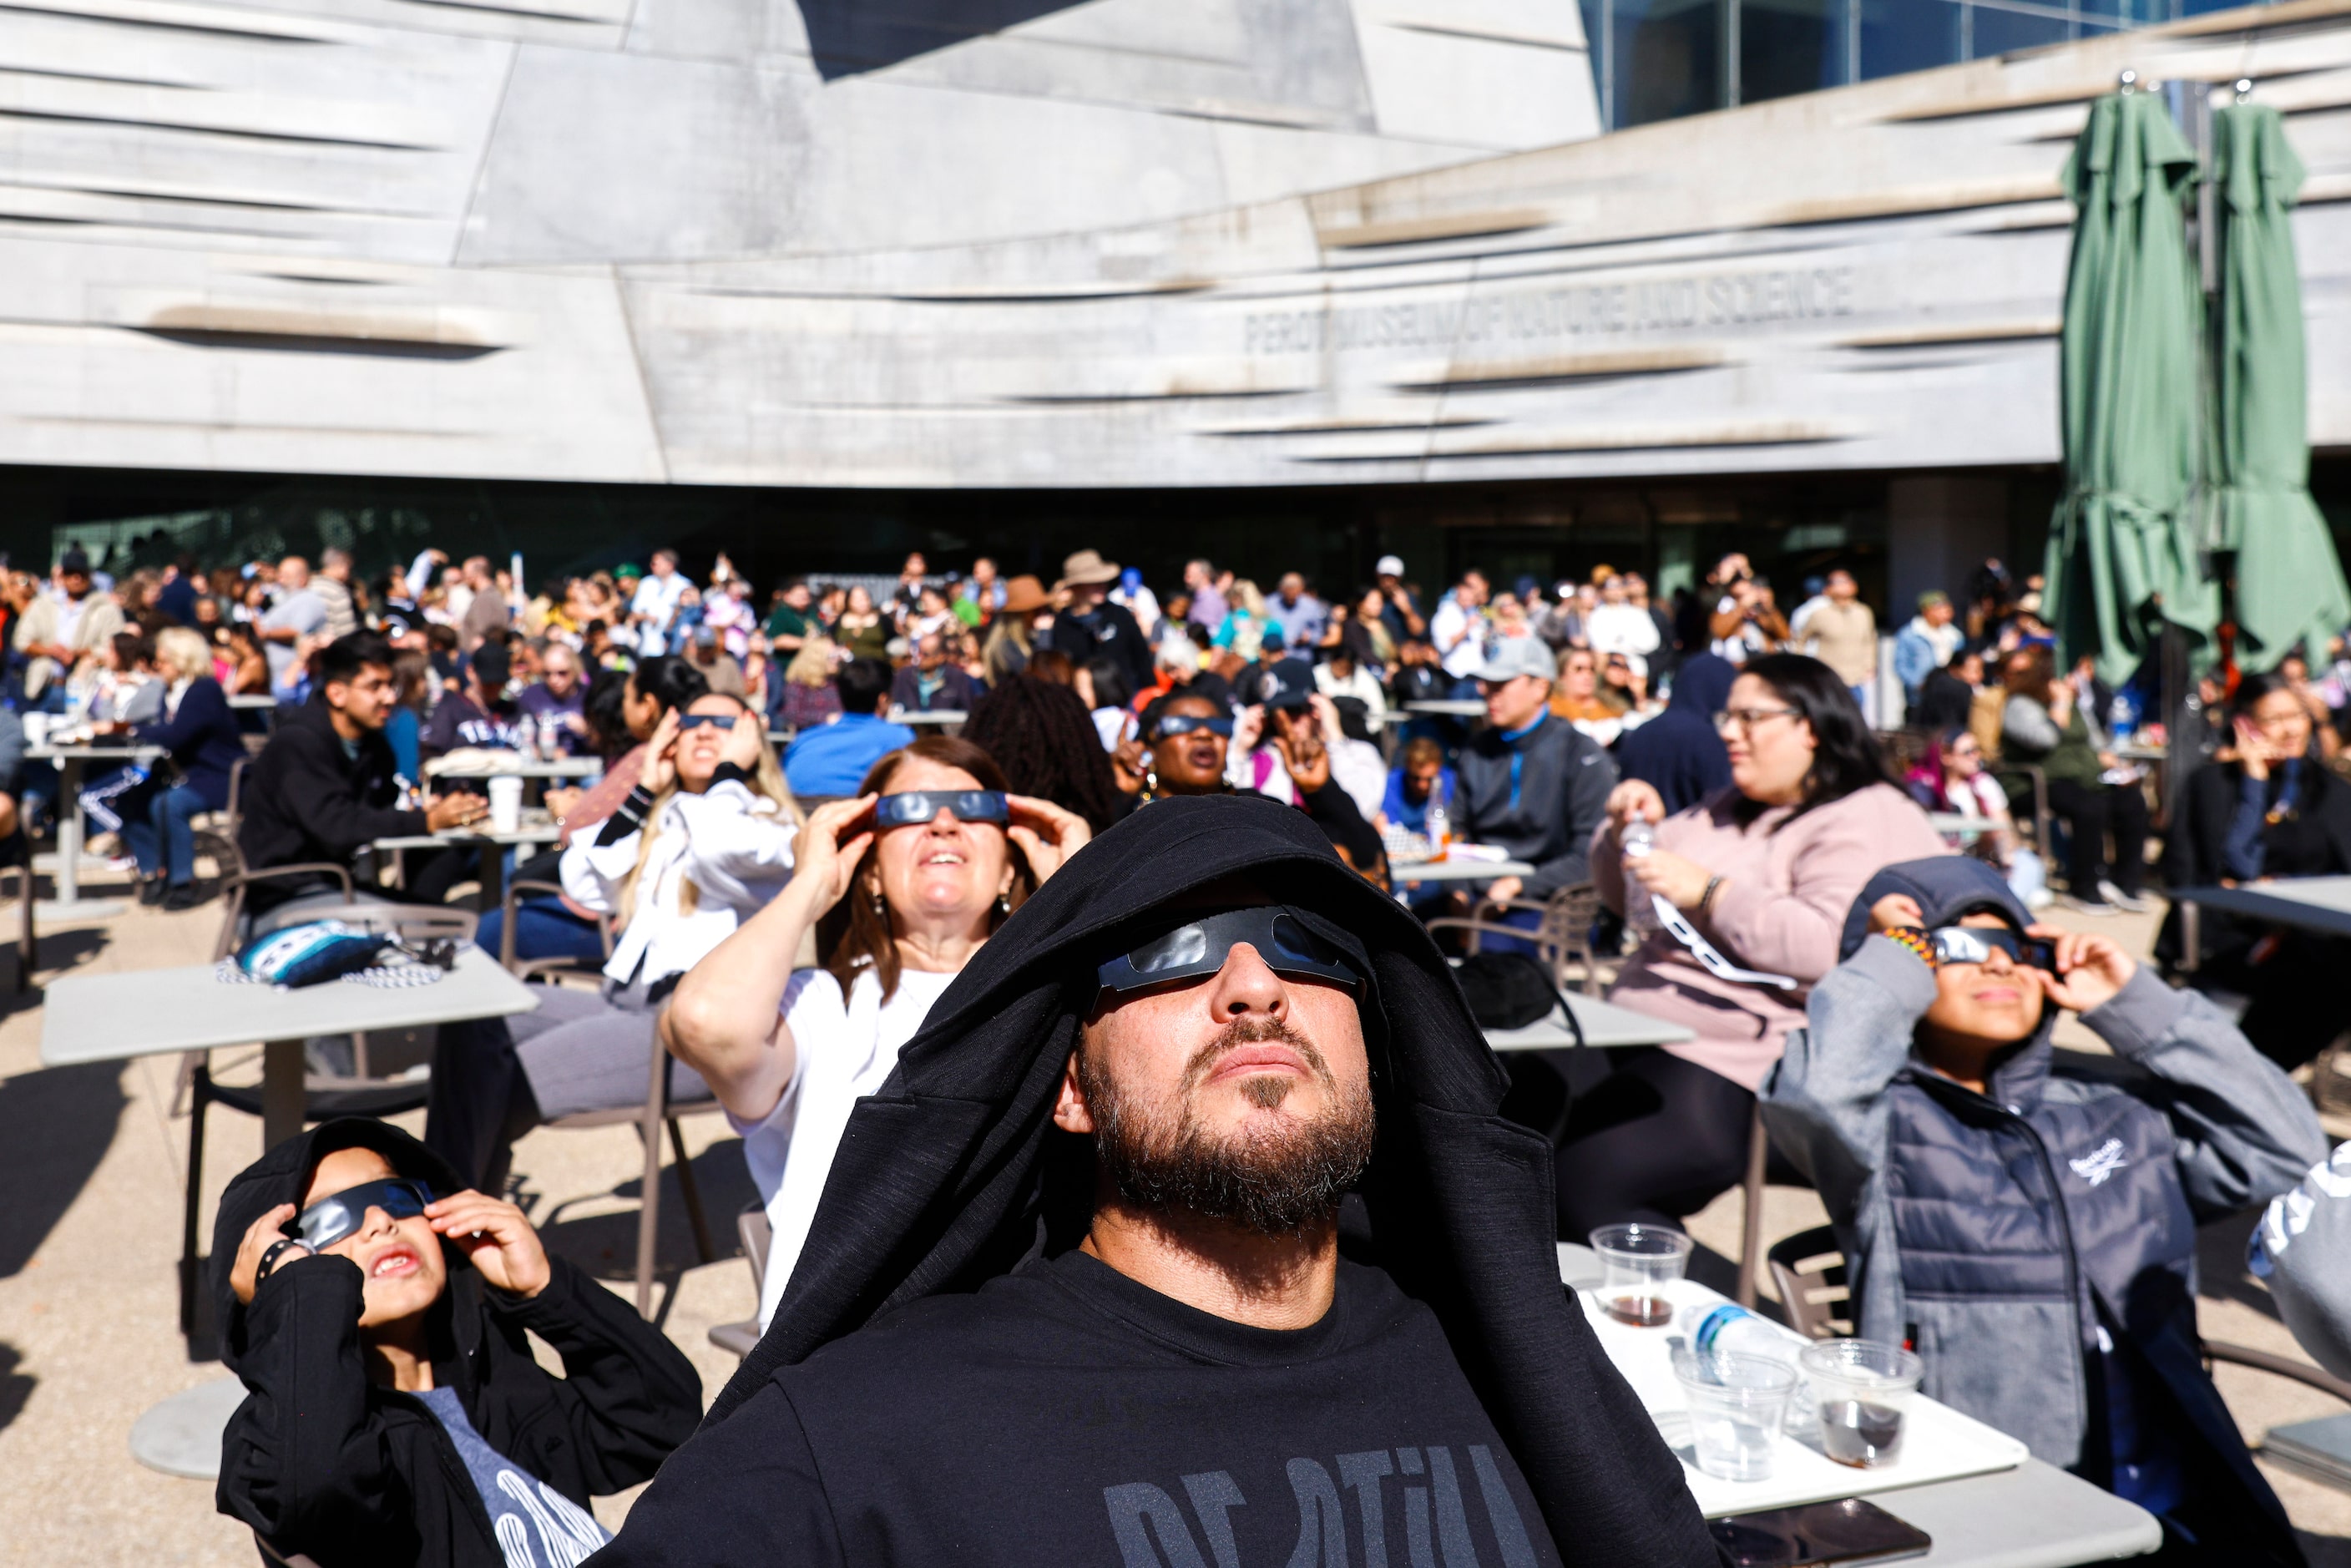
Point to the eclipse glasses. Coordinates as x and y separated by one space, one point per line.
342 1214
1198 949
912 808
1174 724
1974 944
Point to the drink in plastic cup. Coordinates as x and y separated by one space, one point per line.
1637 1262
36 728
1737 1404
1863 1390
505 805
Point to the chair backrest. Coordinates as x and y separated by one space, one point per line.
1568 918
417 921
1809 1271
752 1226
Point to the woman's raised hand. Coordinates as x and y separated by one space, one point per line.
1046 834
660 771
824 860
745 740
1634 800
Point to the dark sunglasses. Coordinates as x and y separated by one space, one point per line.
331 1218
1974 944
1176 723
911 808
686 721
1198 950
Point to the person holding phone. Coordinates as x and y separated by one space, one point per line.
702 840
901 884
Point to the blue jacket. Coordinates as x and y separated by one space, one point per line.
2007 1235
202 738
833 760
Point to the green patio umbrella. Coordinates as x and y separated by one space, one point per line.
2290 587
2131 384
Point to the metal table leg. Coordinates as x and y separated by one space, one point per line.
69 904
283 1099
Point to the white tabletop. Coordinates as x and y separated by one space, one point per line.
253 700
1456 708
935 716
1459 868
2314 902
519 766
1604 1025
1959 822
86 753
154 1012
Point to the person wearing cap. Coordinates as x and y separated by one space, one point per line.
1073 1290
1530 784
1927 643
1012 637
1134 596
55 633
1399 608
1090 627
1289 746
476 714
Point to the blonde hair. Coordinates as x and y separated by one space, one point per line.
767 783
183 652
812 666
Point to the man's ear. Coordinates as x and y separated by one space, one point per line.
1069 1112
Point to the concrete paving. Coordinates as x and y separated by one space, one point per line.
98 1160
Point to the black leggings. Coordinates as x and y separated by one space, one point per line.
2090 811
1655 1140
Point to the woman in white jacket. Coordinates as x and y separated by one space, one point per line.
703 843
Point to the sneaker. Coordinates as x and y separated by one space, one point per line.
2129 903
151 891
182 897
2085 906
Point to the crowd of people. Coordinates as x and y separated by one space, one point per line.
1110 986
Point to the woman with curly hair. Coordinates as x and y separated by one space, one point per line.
1042 736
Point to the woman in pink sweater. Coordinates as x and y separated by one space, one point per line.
1765 872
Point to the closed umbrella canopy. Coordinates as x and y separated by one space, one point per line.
2130 385
2290 588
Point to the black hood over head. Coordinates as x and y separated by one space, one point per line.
1702 684
953 1173
279 1176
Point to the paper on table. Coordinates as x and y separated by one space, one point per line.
1940 1444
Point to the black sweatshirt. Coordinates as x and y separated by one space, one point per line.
308 797
1066 1413
320 1460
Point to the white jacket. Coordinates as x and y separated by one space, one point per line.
734 845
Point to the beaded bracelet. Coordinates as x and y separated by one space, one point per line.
1914 940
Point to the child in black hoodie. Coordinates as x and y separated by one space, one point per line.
394 1414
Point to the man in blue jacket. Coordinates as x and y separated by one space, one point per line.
831 760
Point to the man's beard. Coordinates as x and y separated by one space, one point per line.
1276 1181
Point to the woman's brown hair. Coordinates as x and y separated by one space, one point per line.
2027 673
854 932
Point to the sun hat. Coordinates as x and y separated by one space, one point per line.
1085 568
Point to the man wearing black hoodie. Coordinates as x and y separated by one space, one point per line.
1075 1290
394 1412
326 786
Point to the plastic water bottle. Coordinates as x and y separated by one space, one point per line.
1639 839
1729 1330
1439 822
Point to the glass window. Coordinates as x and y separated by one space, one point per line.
1899 36
1788 46
1669 58
1998 31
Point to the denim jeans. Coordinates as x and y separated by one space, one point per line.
156 827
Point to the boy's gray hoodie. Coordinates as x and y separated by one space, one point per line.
2005 1235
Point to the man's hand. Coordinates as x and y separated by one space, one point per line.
1048 835
1895 911
498 1238
2090 969
1633 801
454 810
1308 760
260 1237
562 799
1503 889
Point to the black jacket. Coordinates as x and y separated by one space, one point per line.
952 1173
320 1460
1106 631
305 800
2194 850
956 693
202 739
1563 780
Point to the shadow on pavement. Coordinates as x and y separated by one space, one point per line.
16 1386
605 1245
2221 1272
56 1125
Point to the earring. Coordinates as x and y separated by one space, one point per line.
880 906
1004 904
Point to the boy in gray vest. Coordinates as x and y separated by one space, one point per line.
2026 1222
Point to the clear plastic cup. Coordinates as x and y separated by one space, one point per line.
1636 1263
1737 1404
1862 1389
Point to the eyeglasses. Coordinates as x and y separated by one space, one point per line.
1200 949
1177 724
1974 945
1749 717
686 721
342 1214
911 808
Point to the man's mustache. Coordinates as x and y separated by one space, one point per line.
1258 1029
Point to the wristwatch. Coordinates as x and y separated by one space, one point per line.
275 1250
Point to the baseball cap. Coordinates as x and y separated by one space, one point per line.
1286 684
1515 656
1389 566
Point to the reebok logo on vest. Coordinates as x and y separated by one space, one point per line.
2100 1163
